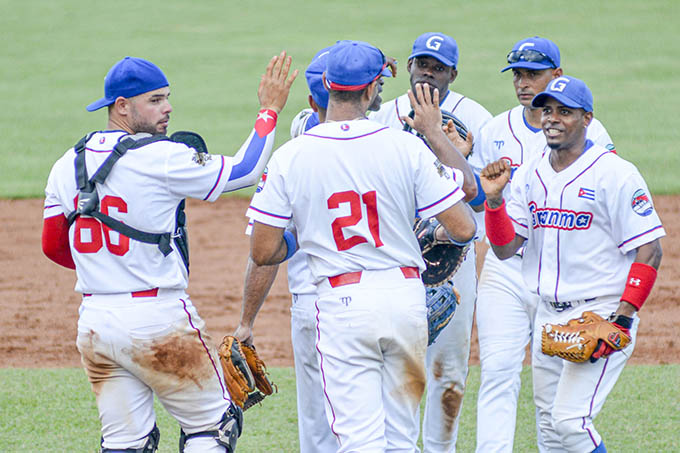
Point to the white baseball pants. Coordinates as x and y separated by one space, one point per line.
135 347
371 339
314 432
569 395
447 366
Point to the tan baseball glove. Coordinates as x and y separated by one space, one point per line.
245 374
579 338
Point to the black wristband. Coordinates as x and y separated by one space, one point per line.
621 320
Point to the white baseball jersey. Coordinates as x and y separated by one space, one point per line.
581 224
352 189
473 115
509 136
144 190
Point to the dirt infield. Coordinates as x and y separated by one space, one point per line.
40 308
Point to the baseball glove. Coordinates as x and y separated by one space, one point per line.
579 338
441 258
245 374
441 306
446 116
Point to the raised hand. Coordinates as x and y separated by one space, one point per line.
425 104
275 83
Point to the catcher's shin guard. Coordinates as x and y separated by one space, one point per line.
226 434
151 445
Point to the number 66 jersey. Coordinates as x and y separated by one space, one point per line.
352 188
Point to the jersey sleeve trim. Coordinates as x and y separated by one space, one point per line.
217 181
267 218
441 200
276 216
644 233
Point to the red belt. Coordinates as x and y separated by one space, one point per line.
153 292
355 277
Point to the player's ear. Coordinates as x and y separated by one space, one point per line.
454 74
312 104
587 118
557 72
121 106
409 63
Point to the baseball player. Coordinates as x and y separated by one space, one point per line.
505 306
591 238
356 228
122 230
434 62
314 432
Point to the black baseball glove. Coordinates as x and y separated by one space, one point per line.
442 258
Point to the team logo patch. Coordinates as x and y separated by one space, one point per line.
610 147
263 179
102 140
441 170
344 127
641 203
588 194
201 158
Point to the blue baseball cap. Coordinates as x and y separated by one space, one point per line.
534 53
314 73
437 45
353 65
569 91
127 78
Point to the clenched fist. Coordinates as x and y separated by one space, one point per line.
494 177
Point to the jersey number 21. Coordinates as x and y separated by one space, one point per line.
355 200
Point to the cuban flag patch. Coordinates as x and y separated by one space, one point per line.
265 123
641 203
588 194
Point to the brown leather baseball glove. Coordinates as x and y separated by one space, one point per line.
579 338
245 374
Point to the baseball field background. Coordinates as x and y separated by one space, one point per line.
54 58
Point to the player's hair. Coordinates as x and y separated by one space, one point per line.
346 96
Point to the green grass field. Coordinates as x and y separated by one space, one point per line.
56 55
54 411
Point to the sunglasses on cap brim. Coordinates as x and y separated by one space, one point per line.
533 56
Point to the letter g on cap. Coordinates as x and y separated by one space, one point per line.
559 84
434 42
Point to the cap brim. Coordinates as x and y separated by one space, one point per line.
528 65
540 98
96 105
386 72
444 60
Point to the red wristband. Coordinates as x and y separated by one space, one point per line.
499 227
639 284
